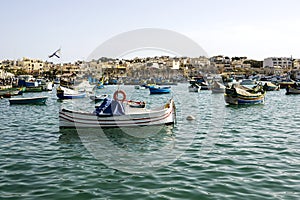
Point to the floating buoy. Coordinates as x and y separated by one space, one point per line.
190 117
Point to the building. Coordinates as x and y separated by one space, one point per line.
222 63
32 66
239 62
278 62
297 64
200 62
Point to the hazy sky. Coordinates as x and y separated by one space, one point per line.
256 28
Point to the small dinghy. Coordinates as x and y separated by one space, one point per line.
67 93
136 104
30 100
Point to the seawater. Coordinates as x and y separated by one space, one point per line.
228 152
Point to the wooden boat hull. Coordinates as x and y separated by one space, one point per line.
32 100
239 100
160 90
136 104
284 85
292 90
242 95
139 117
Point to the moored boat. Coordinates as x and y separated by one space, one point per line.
29 100
116 114
293 89
269 86
217 87
201 82
136 104
160 90
238 95
7 93
286 83
66 93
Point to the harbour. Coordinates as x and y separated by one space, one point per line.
231 152
138 100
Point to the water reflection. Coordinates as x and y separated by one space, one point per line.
120 149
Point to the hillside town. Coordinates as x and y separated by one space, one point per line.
159 69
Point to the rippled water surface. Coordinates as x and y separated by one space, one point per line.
228 152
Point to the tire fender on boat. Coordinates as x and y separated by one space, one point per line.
116 95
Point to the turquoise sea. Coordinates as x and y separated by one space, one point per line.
227 152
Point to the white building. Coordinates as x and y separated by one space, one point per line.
176 64
277 62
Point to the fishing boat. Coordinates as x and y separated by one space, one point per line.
160 90
294 89
7 93
98 97
269 86
66 93
217 87
136 104
201 82
116 114
238 94
29 100
285 83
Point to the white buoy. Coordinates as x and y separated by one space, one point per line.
190 117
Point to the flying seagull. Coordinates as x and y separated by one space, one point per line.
55 54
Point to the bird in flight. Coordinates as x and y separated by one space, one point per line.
55 54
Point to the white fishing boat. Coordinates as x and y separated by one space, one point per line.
67 93
218 87
113 114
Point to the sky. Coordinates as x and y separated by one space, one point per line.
256 29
